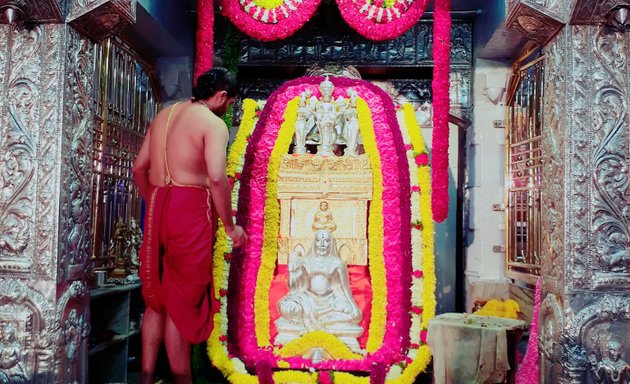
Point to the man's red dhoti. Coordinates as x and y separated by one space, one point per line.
176 258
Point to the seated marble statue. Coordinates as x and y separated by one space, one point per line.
319 297
323 219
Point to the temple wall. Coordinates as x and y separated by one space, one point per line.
485 146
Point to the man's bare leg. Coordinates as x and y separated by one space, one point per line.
152 337
178 351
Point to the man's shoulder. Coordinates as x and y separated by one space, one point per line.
214 121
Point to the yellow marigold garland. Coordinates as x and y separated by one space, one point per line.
417 366
335 347
348 378
218 354
271 219
234 163
294 377
428 231
375 231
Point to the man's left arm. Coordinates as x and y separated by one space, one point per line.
141 167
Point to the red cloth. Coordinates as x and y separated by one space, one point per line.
360 286
176 258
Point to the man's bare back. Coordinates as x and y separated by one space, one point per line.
189 131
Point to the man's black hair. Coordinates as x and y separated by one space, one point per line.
215 80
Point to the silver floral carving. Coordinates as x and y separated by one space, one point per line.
19 149
599 213
580 107
587 216
45 104
553 143
76 198
611 152
28 178
48 151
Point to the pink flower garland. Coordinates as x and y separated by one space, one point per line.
441 107
395 196
394 21
280 23
205 37
528 371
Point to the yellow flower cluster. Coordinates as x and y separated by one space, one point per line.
375 231
268 4
335 347
508 309
237 149
348 378
272 225
294 377
389 3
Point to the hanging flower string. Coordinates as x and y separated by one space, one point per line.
205 37
428 233
528 370
441 106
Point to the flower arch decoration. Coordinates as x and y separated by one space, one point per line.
400 254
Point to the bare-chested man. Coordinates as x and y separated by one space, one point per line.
180 172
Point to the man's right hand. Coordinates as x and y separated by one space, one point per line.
238 236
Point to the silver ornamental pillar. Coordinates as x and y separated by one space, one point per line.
46 134
585 313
